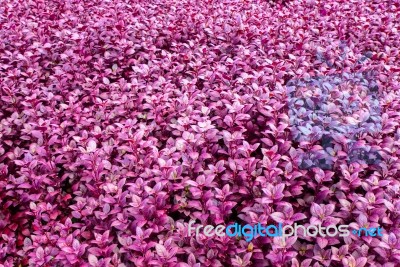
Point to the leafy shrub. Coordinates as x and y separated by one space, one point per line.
121 121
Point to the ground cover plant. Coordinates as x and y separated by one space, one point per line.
121 121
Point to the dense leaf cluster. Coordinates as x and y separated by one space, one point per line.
120 121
